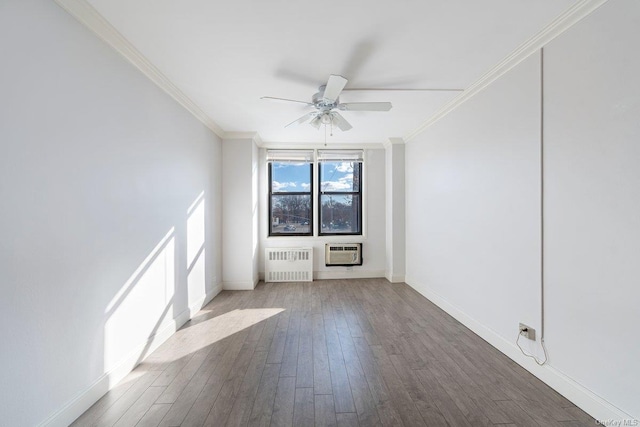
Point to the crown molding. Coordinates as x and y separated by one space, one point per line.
91 18
241 135
254 136
322 145
257 139
393 141
562 23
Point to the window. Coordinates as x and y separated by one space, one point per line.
290 192
340 192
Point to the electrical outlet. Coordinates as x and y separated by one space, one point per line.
527 331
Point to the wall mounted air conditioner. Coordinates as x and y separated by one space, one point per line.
343 254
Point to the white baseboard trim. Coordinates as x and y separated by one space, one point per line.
342 273
79 404
204 300
247 285
581 396
84 400
395 278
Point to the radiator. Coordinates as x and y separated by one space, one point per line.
288 265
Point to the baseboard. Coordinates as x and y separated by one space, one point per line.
247 285
79 404
342 273
201 302
395 278
84 400
581 396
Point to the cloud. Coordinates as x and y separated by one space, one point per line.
344 167
279 186
340 185
344 183
305 185
282 165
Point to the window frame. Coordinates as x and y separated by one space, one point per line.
309 193
358 193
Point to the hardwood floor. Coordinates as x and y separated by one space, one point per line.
329 353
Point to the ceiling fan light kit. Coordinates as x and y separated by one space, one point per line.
326 102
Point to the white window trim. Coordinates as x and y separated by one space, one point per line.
355 238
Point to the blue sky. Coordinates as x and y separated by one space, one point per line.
290 177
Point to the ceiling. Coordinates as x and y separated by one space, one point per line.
224 56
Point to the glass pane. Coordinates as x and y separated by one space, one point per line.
290 214
290 177
340 176
340 214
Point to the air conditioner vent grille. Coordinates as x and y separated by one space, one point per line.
346 254
343 248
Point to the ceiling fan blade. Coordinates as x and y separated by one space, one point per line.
302 119
381 89
365 106
334 88
285 99
340 121
286 72
359 56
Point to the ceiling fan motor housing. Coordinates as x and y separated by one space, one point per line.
319 102
326 100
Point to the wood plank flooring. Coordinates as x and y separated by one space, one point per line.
329 353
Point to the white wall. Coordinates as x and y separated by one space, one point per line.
395 213
373 240
592 203
474 210
255 210
110 215
239 213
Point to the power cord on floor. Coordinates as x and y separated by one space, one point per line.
546 357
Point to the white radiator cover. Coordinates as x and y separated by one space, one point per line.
288 264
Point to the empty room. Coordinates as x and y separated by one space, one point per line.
254 213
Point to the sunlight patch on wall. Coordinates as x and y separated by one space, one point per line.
142 304
196 282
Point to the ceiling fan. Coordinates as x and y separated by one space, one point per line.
327 104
